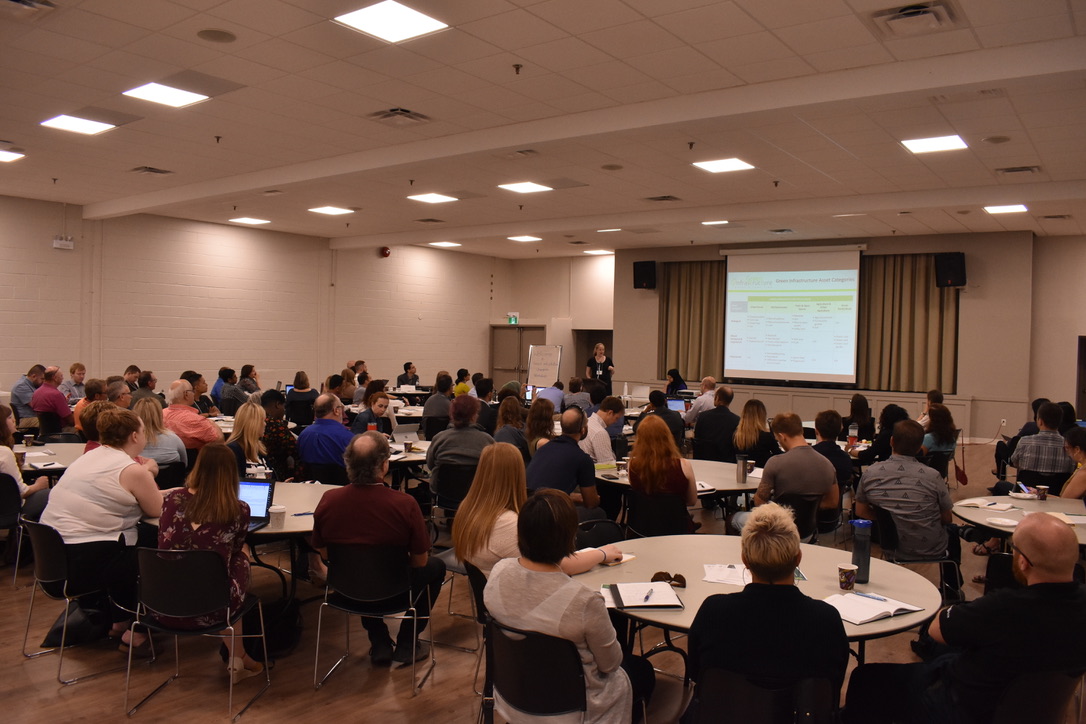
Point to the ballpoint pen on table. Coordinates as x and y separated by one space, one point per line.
871 596
308 512
647 596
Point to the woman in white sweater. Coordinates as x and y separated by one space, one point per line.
34 496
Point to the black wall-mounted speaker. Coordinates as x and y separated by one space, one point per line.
644 273
950 269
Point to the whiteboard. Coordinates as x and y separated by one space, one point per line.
543 363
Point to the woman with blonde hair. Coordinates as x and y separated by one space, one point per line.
539 427
656 467
752 437
486 522
163 446
245 441
510 427
207 515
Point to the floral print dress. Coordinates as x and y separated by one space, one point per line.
175 532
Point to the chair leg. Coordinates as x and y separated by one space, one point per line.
267 673
478 640
18 530
316 656
176 675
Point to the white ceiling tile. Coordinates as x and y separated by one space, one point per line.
342 74
772 70
926 46
826 35
513 30
172 50
1025 31
150 14
239 70
397 94
784 13
61 46
453 46
298 87
267 16
647 91
984 12
577 16
79 24
448 81
704 81
746 49
454 14
654 8
674 62
710 22
624 41
123 63
530 112
283 55
395 62
606 76
548 87
564 54
333 39
583 102
188 28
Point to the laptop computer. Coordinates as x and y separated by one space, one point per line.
676 404
258 494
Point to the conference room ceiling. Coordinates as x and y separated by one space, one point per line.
612 102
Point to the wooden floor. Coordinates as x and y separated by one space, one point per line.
355 691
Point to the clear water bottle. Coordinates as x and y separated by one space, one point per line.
741 469
861 549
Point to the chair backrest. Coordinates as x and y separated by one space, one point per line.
171 475
661 514
50 558
191 453
938 461
368 572
451 483
48 423
326 473
300 412
1054 481
1039 697
183 583
59 437
804 510
596 533
885 533
518 661
433 425
11 503
228 406
477 581
755 700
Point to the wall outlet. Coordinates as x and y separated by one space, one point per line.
1003 422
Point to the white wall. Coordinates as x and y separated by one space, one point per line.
1059 298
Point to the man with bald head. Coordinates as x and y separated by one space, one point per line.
704 402
715 429
185 420
1004 634
119 394
323 442
566 467
49 399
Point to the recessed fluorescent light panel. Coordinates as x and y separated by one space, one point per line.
598 252
77 125
444 244
331 210
249 220
1009 209
606 231
164 94
525 187
523 238
714 223
391 21
433 198
723 164
9 156
930 145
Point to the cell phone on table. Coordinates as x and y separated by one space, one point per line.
1023 488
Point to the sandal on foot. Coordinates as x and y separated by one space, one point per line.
238 672
980 578
982 549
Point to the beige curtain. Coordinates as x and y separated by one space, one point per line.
908 326
692 319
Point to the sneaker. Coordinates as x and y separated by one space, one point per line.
403 654
381 654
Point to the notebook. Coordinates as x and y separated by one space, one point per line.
258 494
644 595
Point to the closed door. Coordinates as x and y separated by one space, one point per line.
509 346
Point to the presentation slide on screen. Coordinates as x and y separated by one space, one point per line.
792 316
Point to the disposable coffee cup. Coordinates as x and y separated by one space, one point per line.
371 426
1042 492
846 576
278 515
750 467
20 458
407 446
28 440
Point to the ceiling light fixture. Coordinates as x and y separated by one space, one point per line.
444 244
166 95
249 220
433 198
723 164
598 252
7 156
605 231
846 216
390 21
1008 209
331 210
523 238
714 223
525 187
931 145
77 125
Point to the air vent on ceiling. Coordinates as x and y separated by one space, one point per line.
1057 217
430 221
577 243
399 117
1018 169
781 231
151 170
667 197
522 153
912 20
26 9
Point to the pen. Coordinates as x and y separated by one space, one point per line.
871 595
308 512
647 596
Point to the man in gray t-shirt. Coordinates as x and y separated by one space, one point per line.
915 494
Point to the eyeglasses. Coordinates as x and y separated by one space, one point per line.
1019 550
677 581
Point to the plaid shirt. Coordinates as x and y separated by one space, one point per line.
1042 453
282 447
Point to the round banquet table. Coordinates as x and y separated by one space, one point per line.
687 554
717 475
59 454
980 516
